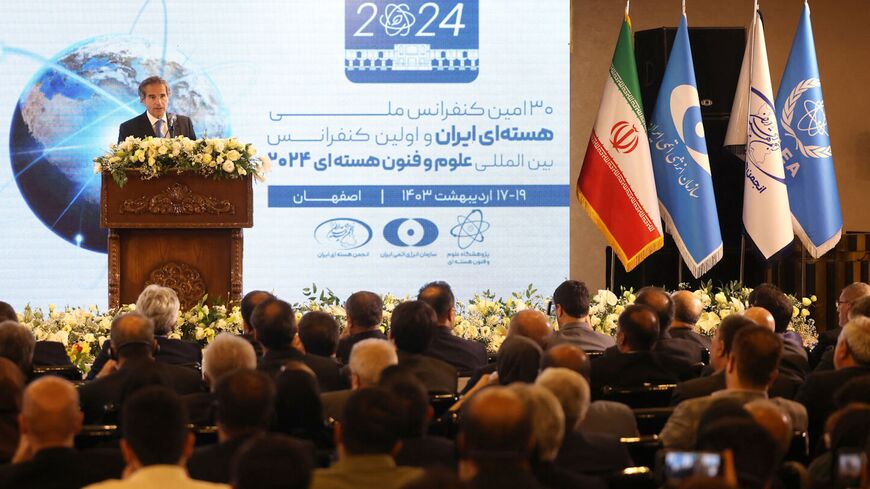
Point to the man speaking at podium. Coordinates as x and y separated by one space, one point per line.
156 122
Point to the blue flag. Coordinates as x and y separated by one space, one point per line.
806 147
680 163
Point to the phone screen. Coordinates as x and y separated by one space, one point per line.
849 463
681 465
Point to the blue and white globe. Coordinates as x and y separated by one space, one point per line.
70 111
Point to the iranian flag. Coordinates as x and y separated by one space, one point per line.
616 184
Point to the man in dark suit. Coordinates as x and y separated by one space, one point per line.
571 300
794 363
465 355
412 326
249 302
687 311
224 355
132 346
849 296
368 359
365 311
49 420
17 344
660 302
318 332
155 121
275 328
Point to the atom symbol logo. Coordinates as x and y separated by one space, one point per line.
397 20
814 122
469 229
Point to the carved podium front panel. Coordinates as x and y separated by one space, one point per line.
180 231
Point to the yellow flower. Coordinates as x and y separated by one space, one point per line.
794 311
805 312
806 302
814 298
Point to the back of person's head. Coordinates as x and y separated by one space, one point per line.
755 451
227 352
496 428
548 421
245 399
774 420
774 300
17 344
437 478
532 324
856 390
249 302
687 307
132 334
7 312
11 387
660 301
729 327
372 422
861 307
274 323
704 483
756 353
567 355
154 427
848 427
318 332
298 410
439 295
856 336
365 309
160 305
369 357
855 291
272 462
722 408
572 392
573 297
639 327
518 360
413 398
412 326
761 317
50 412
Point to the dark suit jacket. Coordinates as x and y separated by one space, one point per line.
690 335
680 348
258 348
615 368
553 476
200 408
327 370
437 376
333 403
827 339
508 475
465 355
345 345
140 127
704 386
63 468
175 352
96 394
212 463
817 394
50 353
582 335
794 362
592 453
426 452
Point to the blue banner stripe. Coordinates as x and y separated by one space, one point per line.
419 196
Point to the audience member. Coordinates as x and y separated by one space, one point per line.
46 459
275 328
850 294
298 409
761 317
754 450
794 358
518 360
225 354
858 308
678 348
464 355
770 417
364 315
156 443
571 301
17 344
244 401
250 302
437 478
856 390
44 352
318 333
687 311
750 370
846 428
532 324
11 389
272 462
7 312
367 439
368 359
412 326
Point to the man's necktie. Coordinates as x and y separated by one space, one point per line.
158 129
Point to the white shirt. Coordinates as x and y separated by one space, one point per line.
154 120
158 477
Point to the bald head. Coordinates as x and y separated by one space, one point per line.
770 417
131 329
50 414
687 308
660 302
532 324
566 355
761 317
638 329
496 426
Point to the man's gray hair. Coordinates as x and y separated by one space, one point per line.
227 352
368 358
160 304
548 420
856 334
131 328
152 80
572 392
17 344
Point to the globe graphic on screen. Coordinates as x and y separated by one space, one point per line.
69 114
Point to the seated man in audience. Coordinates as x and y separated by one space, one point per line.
249 302
607 417
49 420
770 417
223 355
368 359
368 437
532 324
858 308
850 294
751 369
465 355
720 350
660 302
275 328
132 346
571 300
634 362
851 360
412 326
45 352
365 312
754 450
687 311
318 332
244 399
17 344
581 452
161 306
11 390
794 358
156 443
272 462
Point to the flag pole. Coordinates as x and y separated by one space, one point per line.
748 122
612 269
742 255
679 268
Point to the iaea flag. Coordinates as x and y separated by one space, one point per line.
680 162
806 147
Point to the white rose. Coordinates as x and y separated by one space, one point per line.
97 167
228 166
233 155
219 145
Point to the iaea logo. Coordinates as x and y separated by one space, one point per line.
343 233
411 232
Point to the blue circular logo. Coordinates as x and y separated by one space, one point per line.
343 233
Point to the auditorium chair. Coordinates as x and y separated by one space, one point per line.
643 449
441 403
97 436
593 354
68 372
632 478
644 396
446 425
799 450
650 421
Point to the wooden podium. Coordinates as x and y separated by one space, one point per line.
182 231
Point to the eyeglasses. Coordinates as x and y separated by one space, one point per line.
840 303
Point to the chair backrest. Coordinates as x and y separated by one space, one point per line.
446 425
799 450
632 478
68 372
97 436
651 421
643 449
594 354
441 403
643 396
